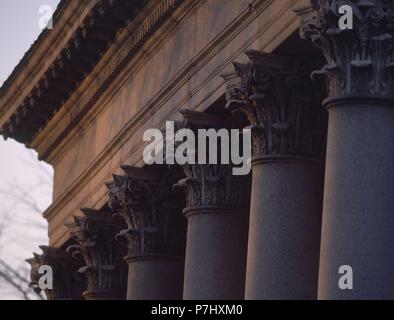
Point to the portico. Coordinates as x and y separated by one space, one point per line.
320 191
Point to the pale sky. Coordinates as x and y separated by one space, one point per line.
21 228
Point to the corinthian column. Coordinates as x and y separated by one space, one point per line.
217 205
105 270
155 233
65 285
288 139
358 214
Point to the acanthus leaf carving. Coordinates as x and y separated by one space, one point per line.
208 185
151 210
360 60
214 185
94 234
281 103
66 284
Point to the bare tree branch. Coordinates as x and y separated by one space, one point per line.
11 276
19 225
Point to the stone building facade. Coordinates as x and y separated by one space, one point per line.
320 194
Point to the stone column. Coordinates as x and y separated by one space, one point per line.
105 270
358 213
155 233
217 210
66 284
288 142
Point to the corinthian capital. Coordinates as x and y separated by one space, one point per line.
208 185
151 210
66 284
359 60
105 270
281 102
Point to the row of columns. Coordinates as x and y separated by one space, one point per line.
294 240
195 245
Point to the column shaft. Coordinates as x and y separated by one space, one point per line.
284 231
358 221
215 254
155 278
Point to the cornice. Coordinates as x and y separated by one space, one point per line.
67 125
92 37
46 43
28 72
56 135
115 68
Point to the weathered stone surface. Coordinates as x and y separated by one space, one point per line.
145 200
360 61
105 269
282 105
208 185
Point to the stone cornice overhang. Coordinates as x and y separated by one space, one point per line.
95 32
127 54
